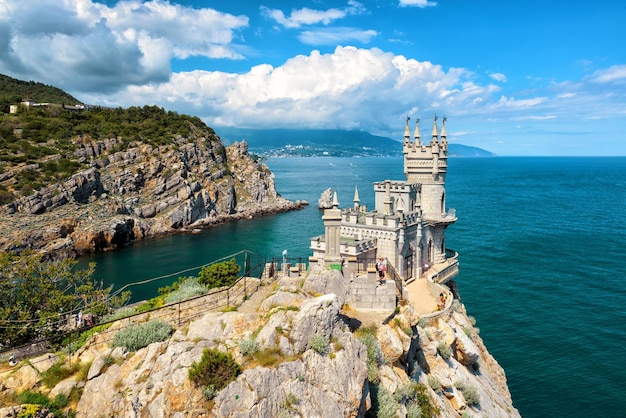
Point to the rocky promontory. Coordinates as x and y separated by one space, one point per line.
326 360
139 191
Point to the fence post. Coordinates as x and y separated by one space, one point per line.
245 288
179 314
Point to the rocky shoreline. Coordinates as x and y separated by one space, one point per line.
141 193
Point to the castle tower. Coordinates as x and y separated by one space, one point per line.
332 228
428 165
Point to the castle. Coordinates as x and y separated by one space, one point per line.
407 226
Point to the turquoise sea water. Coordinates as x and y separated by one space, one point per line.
541 244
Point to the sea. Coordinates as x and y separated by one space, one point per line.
542 262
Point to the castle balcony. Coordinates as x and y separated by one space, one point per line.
444 272
440 219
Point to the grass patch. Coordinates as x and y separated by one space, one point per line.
56 373
444 350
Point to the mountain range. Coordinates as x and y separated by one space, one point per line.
326 142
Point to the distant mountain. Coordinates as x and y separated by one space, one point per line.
326 142
459 150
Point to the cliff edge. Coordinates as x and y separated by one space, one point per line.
139 191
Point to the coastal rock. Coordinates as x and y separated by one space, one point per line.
141 192
326 199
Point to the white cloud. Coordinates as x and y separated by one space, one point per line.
616 73
337 35
498 77
86 46
417 3
306 16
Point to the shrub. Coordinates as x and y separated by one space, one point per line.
472 320
219 274
387 405
209 392
214 369
373 356
467 330
470 393
318 343
135 337
434 383
248 347
422 323
456 305
186 290
444 350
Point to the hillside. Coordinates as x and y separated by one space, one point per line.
13 91
78 181
326 142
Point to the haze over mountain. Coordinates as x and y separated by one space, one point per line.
326 142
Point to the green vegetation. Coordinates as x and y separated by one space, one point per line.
221 274
37 298
58 372
135 337
374 354
248 347
36 401
13 91
214 370
46 138
470 392
444 350
318 344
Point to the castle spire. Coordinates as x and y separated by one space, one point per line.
407 133
417 132
335 200
435 133
356 197
443 129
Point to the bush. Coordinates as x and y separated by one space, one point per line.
135 337
373 356
387 405
219 274
434 383
470 393
248 347
186 290
318 343
444 350
214 369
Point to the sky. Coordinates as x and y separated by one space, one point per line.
514 77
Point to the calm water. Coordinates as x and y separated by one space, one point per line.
542 269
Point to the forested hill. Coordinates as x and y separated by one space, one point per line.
13 91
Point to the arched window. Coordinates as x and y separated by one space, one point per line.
443 202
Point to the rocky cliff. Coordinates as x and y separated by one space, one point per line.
139 191
329 361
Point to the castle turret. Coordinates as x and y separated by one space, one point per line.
356 200
407 133
332 227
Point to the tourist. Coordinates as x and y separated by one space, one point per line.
381 268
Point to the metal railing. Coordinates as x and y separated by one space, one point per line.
177 314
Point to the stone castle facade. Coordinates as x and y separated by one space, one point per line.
407 226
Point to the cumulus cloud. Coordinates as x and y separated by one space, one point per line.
306 16
417 3
90 46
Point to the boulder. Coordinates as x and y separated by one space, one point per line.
326 199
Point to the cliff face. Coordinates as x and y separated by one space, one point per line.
138 193
324 367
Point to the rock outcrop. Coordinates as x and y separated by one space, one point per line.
138 193
321 368
326 199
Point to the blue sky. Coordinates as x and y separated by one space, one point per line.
516 78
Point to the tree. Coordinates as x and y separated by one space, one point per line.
219 274
37 298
